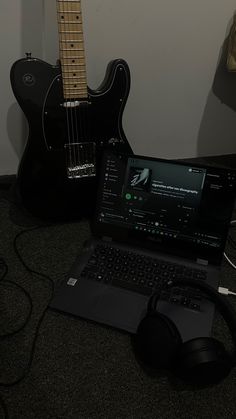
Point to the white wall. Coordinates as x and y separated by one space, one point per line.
173 51
20 31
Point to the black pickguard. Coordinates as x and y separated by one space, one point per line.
46 188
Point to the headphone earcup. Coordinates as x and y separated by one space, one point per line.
157 341
202 361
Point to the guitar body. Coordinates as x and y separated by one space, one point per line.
58 173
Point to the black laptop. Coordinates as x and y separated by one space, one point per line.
155 220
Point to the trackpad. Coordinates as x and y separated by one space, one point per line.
120 308
92 300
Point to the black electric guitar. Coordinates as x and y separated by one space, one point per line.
70 125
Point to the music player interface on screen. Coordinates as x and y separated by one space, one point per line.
164 200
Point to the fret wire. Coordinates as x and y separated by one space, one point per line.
75 78
64 21
80 72
73 92
67 1
71 64
69 23
72 84
72 57
79 32
71 60
72 49
69 41
69 11
72 41
74 71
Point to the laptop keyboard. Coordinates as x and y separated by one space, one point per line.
142 274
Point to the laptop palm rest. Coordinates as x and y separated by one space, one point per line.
100 302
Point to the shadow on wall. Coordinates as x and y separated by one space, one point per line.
31 41
217 134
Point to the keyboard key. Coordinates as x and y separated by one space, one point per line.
142 274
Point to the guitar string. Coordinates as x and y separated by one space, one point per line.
86 114
86 135
82 146
87 156
76 111
76 115
81 74
68 37
61 18
78 118
67 97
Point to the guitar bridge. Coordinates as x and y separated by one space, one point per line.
81 160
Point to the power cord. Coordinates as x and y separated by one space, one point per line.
231 241
229 261
4 407
22 290
3 264
233 244
225 291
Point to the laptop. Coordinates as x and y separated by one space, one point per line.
155 220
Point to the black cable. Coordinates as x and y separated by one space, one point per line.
40 275
20 257
27 295
232 243
19 379
4 408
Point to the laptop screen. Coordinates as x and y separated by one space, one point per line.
171 206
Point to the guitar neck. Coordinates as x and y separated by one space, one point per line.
71 48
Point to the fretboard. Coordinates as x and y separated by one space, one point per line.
71 47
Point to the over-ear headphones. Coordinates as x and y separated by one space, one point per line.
202 360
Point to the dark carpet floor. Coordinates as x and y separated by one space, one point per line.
61 367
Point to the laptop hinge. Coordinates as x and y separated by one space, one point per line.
107 239
202 261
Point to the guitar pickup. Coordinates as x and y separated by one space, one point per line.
81 160
85 170
74 103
